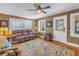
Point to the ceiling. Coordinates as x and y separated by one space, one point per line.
20 9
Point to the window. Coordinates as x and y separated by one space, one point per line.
77 26
74 24
41 25
16 25
19 24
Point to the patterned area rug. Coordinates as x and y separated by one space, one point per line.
40 47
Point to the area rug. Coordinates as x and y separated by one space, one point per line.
40 47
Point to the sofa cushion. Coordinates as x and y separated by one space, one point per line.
18 34
25 33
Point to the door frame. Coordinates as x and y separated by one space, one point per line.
54 28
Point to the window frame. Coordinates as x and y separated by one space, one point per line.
39 25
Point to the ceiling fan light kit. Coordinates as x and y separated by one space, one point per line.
38 11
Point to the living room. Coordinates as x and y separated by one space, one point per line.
37 30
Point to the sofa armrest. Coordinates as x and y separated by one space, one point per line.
36 34
13 37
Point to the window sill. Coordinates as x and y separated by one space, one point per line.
75 35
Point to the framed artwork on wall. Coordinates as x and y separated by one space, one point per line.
60 25
49 24
3 23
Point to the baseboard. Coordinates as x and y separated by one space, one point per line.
75 45
68 43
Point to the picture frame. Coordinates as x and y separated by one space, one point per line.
3 23
60 25
49 24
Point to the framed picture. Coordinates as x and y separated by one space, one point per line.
49 24
3 23
60 25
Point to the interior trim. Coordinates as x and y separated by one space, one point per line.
12 16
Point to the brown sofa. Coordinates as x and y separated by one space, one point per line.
19 36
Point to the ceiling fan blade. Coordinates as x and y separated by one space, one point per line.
43 11
47 7
36 5
31 9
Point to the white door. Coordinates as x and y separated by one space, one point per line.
60 29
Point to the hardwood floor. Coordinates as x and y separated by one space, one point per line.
72 48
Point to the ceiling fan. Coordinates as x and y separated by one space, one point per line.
39 8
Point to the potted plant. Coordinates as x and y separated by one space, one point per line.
48 36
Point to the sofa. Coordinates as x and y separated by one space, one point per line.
19 36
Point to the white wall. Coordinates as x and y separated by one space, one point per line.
60 36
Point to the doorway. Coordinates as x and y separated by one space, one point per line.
60 29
